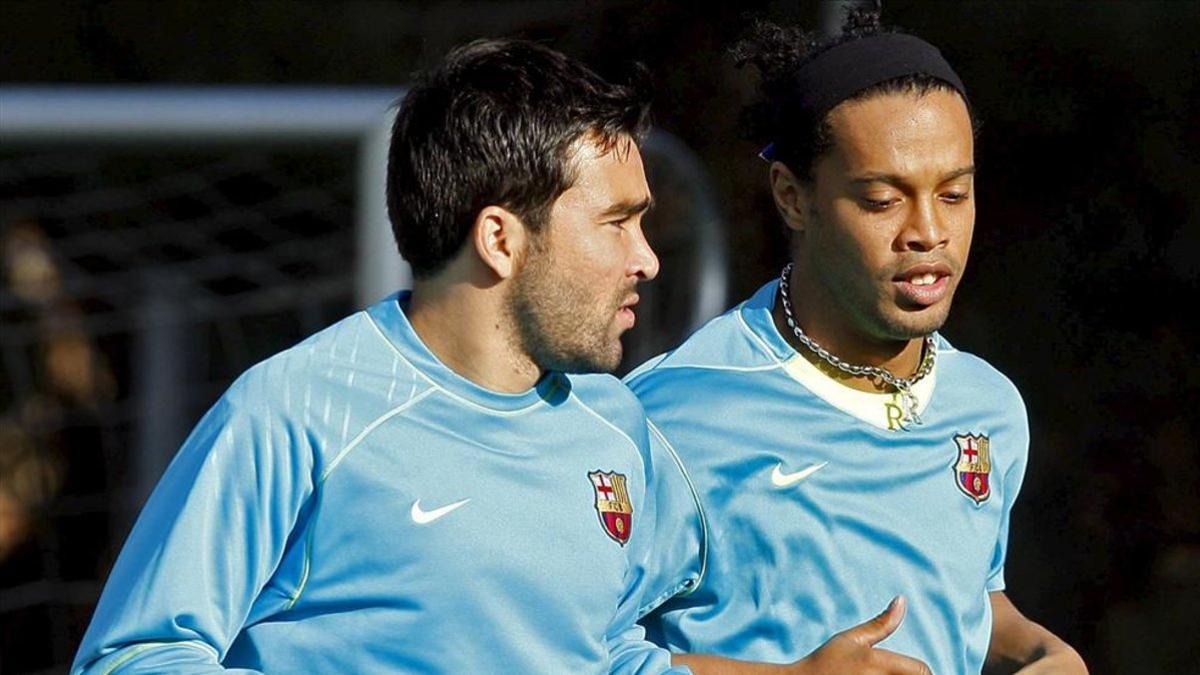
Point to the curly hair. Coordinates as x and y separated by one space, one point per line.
776 53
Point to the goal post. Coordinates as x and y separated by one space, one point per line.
40 115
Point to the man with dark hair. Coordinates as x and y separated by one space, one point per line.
421 487
857 457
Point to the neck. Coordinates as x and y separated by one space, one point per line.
464 324
826 326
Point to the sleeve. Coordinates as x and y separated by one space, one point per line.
1013 477
677 550
208 539
629 650
630 653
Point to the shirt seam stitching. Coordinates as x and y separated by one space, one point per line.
147 646
306 567
614 427
762 344
695 499
435 385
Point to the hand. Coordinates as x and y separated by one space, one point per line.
853 650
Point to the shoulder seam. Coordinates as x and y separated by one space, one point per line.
754 336
435 386
391 346
649 366
337 459
695 498
614 427
661 365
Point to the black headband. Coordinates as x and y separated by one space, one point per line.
846 69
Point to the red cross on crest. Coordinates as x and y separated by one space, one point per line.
613 504
973 466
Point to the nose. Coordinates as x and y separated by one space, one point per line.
924 229
643 263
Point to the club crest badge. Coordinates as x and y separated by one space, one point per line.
973 467
612 504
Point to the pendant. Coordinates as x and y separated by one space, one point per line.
910 403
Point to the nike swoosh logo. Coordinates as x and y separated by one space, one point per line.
781 479
423 517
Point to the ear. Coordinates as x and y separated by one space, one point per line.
793 198
499 238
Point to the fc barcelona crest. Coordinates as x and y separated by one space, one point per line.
612 504
973 468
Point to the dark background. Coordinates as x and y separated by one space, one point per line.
1083 278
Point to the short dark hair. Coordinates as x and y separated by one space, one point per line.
777 52
493 124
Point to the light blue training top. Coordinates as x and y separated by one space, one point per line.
821 504
352 505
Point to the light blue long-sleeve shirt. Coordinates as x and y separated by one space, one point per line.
819 507
353 505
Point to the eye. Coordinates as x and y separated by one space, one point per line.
956 197
877 204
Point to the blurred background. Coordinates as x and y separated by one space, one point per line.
198 189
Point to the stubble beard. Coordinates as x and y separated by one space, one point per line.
558 322
913 325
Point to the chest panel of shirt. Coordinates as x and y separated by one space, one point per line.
531 516
874 489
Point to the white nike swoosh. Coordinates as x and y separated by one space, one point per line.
781 479
423 517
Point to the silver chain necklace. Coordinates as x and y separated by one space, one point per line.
902 385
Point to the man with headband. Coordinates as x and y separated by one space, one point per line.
843 452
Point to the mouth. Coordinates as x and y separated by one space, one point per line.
925 284
625 316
